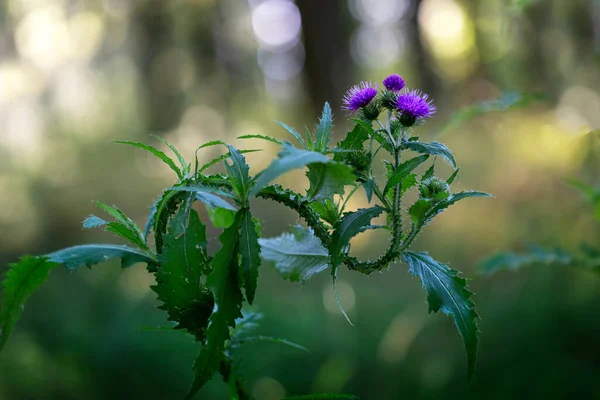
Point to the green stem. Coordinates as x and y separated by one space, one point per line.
226 370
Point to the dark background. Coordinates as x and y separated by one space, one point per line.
76 74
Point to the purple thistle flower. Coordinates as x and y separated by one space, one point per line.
394 82
415 104
359 96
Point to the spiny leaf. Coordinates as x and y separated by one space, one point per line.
327 210
453 176
353 141
448 292
184 165
297 256
289 158
238 172
293 132
328 179
21 280
135 235
263 137
250 250
403 170
223 282
323 131
93 222
423 210
157 153
91 254
433 148
208 195
123 231
182 263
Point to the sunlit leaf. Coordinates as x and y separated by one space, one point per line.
446 291
161 155
297 256
433 148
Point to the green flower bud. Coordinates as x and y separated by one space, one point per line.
434 188
388 99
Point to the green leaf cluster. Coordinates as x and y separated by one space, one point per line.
203 292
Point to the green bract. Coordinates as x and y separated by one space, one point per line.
204 294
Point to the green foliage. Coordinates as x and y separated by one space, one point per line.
20 282
448 292
297 256
183 261
159 154
289 158
323 131
223 282
403 171
91 254
203 293
587 259
433 148
328 179
249 250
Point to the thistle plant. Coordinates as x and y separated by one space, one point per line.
203 294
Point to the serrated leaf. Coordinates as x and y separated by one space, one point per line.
297 256
223 282
289 158
21 280
327 179
403 170
293 132
323 131
91 254
322 396
223 157
423 210
327 210
448 292
354 141
93 222
184 165
123 231
208 196
238 172
250 252
433 148
349 226
161 155
369 186
183 261
263 137
135 234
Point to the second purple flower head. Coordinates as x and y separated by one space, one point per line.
359 96
415 104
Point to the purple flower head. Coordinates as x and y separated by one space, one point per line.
415 104
394 82
359 96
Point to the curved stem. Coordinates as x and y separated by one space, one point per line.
297 203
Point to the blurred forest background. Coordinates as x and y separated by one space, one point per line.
76 74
